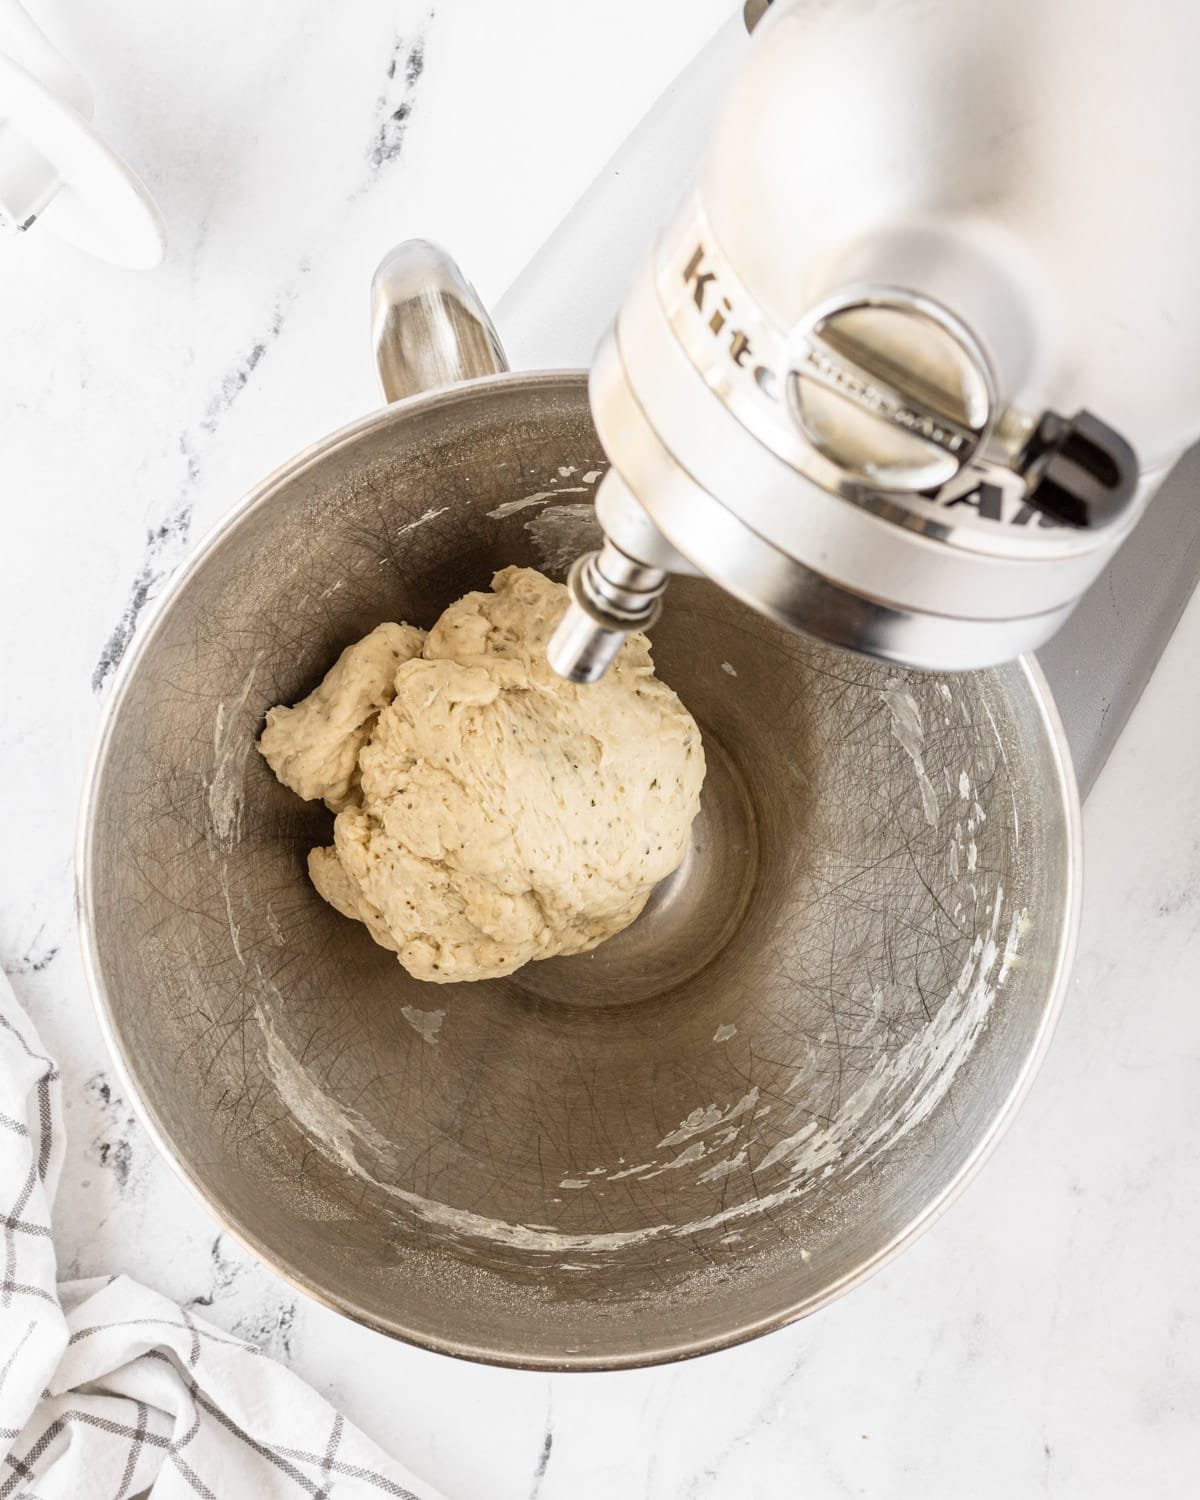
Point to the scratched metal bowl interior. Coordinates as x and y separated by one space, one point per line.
710 1125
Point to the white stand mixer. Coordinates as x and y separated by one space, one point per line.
855 383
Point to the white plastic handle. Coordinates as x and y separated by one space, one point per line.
30 47
54 168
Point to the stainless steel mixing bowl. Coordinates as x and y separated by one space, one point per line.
712 1124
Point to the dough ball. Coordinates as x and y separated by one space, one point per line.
496 813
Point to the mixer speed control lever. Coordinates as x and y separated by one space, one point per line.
1078 470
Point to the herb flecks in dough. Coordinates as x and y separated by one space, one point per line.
488 812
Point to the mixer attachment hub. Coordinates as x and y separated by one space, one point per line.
612 595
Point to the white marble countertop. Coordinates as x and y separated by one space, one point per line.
1044 1336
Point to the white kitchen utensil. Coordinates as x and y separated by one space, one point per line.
54 168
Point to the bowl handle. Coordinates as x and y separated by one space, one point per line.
429 326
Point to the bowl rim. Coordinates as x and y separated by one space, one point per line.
274 1259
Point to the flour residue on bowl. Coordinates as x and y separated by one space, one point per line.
423 519
702 1120
903 1087
933 1057
235 928
426 1023
908 730
344 1137
561 533
543 497
231 745
526 502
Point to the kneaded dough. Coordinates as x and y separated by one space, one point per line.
488 812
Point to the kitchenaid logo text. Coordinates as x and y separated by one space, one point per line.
999 501
992 493
735 340
836 375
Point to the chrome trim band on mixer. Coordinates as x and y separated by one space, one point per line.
757 570
888 502
751 363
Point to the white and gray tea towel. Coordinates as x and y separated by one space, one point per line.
109 1391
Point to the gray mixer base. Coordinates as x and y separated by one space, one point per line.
1102 658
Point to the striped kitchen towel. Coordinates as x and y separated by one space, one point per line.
108 1389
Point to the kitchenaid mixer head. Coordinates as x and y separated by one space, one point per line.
890 401
856 387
